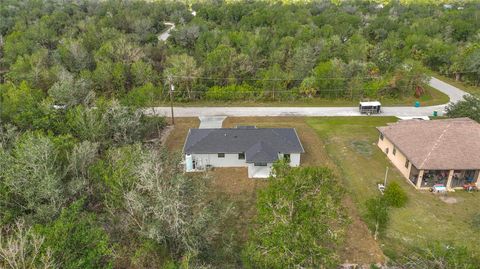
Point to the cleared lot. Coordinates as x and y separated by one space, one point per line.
233 182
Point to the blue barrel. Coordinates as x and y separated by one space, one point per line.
417 104
435 113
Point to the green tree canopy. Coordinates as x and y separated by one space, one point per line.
468 107
299 222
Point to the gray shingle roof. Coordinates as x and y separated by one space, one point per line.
258 144
437 144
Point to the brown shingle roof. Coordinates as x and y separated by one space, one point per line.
437 144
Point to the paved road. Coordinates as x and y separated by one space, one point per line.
454 93
166 34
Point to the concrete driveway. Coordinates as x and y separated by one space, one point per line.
211 121
454 94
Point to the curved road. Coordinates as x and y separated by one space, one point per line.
454 94
166 34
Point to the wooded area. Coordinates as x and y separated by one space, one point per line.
265 50
84 181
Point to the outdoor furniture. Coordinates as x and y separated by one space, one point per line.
439 188
470 187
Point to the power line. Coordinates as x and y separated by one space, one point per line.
301 79
259 90
277 79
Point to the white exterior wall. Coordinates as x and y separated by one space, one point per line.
398 159
230 160
259 171
295 159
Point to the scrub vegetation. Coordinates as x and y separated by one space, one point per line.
263 51
89 181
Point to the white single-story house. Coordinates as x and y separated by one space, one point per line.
243 146
427 153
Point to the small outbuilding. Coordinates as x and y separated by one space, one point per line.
373 107
429 153
244 146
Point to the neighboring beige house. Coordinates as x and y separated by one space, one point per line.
434 152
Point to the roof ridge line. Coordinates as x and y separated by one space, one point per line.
283 138
435 145
203 138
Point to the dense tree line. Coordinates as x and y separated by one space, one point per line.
83 183
236 50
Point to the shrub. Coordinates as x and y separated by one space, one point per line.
395 196
230 92
76 240
377 215
475 222
439 255
300 220
142 96
20 105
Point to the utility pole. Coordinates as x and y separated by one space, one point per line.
385 180
171 89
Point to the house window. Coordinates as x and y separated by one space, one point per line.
241 156
381 136
221 155
286 157
386 150
394 150
260 164
407 163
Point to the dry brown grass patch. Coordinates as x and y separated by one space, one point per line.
177 136
359 246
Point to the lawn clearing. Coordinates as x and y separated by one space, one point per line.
242 191
359 246
425 218
233 182
176 138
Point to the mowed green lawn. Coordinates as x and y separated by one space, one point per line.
351 144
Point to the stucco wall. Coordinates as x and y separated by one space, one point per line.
230 160
295 159
398 159
259 171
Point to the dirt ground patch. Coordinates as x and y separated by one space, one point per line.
359 247
242 191
234 181
176 137
448 200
